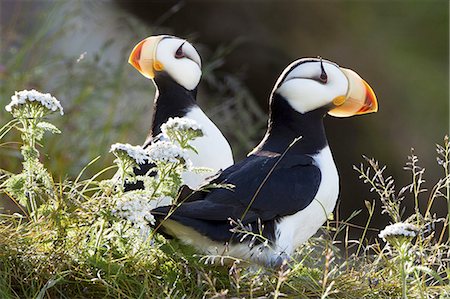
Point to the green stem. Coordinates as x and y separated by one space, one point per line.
99 238
403 250
32 139
6 128
371 210
162 176
447 183
448 209
123 169
28 140
403 274
416 193
164 172
416 200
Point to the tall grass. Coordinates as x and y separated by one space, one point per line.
72 242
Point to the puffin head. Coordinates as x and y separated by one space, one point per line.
167 54
311 83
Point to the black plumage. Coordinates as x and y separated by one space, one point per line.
172 100
278 179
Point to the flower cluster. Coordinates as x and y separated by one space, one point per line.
182 131
399 229
137 153
182 124
45 99
167 152
135 206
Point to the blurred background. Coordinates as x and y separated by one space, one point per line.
78 50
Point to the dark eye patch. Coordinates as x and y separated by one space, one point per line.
323 75
179 53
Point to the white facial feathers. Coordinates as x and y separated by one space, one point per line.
301 86
180 60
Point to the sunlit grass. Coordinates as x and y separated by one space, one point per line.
69 240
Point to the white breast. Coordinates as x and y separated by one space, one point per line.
214 152
291 231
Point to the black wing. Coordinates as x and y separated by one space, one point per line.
257 196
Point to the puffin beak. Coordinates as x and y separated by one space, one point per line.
360 98
143 57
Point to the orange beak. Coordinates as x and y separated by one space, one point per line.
359 99
143 56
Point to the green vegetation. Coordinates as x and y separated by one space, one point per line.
68 238
87 238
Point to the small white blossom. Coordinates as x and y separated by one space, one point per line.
180 124
81 57
137 153
399 229
135 206
46 99
165 151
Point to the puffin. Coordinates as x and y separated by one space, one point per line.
174 67
284 190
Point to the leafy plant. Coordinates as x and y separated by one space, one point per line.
90 238
29 108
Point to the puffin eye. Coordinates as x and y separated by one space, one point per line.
179 53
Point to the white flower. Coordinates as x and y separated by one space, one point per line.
81 57
135 206
165 151
399 229
180 124
46 100
137 153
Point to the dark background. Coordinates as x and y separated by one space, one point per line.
399 47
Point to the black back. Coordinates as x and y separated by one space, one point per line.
256 196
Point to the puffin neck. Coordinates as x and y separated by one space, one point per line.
171 100
286 124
